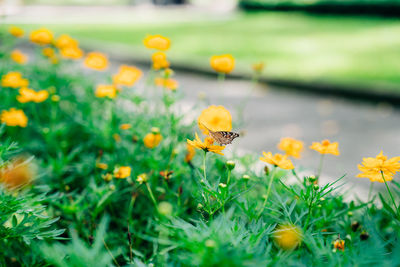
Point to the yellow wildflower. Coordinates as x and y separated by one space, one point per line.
223 63
373 168
14 79
326 147
151 140
215 118
19 57
71 52
127 75
125 126
159 60
191 152
48 52
157 42
338 244
291 146
14 117
169 83
288 236
41 36
65 41
17 174
96 61
102 166
106 91
279 160
207 145
122 172
16 31
142 178
30 95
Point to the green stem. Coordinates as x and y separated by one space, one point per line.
321 162
204 166
229 178
268 191
390 193
221 77
152 196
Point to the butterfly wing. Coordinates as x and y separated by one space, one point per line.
223 137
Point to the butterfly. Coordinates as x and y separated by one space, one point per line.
222 137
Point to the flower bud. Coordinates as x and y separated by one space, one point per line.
155 130
199 206
165 208
210 243
266 170
222 185
364 235
246 177
112 187
230 165
354 226
316 187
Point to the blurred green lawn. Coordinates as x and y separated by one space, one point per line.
351 50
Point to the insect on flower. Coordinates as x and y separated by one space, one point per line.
222 137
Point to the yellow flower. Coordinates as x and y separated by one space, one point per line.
169 83
14 79
125 126
151 140
142 178
48 52
215 118
372 167
207 145
16 31
159 60
223 63
19 57
258 67
291 146
29 95
278 160
14 117
71 52
127 75
157 42
17 174
102 166
338 244
288 236
106 91
191 152
122 172
65 41
42 36
326 147
96 60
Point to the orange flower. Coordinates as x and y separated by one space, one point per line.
153 139
223 63
207 145
41 36
16 31
96 61
157 42
159 60
71 52
191 152
19 57
326 147
338 244
373 168
169 83
106 91
48 52
29 95
127 75
14 117
292 147
142 178
13 79
215 118
278 160
122 172
17 174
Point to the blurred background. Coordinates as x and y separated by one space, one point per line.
332 67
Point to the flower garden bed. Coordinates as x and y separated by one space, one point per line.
102 169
